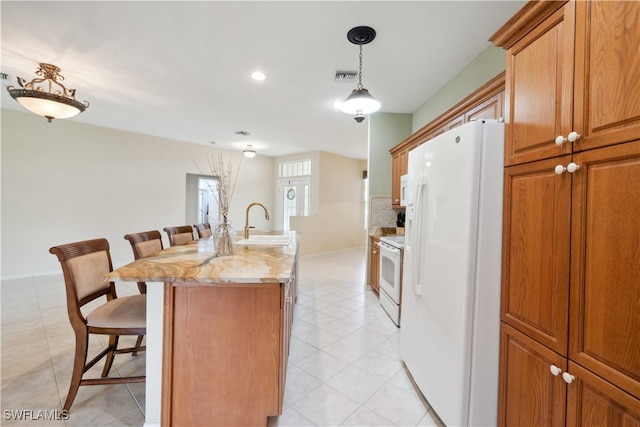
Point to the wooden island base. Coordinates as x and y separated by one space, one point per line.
225 351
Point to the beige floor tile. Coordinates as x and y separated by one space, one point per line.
326 406
396 405
364 417
359 361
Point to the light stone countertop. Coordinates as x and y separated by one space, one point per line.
196 262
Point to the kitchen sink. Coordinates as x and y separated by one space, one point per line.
267 239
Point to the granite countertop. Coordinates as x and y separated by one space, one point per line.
376 231
197 262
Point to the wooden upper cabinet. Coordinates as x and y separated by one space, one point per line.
484 103
607 85
539 82
492 108
535 262
605 264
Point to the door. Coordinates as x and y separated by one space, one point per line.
539 81
591 401
605 264
535 252
607 86
293 200
530 394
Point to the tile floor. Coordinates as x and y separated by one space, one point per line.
344 366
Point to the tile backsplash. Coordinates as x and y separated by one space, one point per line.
380 212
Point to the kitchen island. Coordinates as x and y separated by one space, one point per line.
218 332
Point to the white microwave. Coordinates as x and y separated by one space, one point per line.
403 190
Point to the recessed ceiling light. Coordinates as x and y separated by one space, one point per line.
258 75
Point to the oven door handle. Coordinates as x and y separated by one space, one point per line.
389 248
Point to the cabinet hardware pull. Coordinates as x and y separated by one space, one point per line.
571 168
567 377
555 371
572 137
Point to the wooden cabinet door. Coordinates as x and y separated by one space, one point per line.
607 84
591 401
539 84
529 394
374 265
535 263
396 167
399 166
489 109
605 264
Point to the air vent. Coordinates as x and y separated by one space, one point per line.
346 76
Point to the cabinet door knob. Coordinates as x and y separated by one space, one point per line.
555 371
567 377
572 167
573 136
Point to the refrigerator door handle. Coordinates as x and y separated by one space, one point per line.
421 188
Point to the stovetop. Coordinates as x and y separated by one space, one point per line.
394 240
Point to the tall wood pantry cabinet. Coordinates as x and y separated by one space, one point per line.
570 309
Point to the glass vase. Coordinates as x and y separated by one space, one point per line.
224 237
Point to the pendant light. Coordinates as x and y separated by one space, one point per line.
46 96
360 102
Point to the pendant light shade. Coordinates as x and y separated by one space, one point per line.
46 96
360 102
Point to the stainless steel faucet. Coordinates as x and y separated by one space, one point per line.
246 221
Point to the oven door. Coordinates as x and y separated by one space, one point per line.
390 265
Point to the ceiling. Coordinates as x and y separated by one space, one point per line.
180 70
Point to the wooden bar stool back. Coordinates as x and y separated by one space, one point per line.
179 235
85 266
203 230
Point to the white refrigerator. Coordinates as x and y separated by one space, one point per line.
449 338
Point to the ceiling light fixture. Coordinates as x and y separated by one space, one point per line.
249 152
360 102
46 96
258 75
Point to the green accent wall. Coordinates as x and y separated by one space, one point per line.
386 130
483 68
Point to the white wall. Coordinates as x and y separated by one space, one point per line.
337 218
66 181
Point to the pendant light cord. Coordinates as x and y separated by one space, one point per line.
360 71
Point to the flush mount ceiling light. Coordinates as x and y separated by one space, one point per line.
46 96
249 152
360 102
